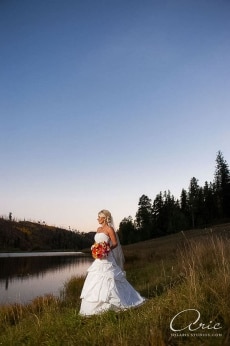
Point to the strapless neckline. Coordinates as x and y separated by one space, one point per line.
101 236
102 233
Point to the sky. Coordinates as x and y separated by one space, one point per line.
102 101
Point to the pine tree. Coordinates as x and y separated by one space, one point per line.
222 185
210 210
184 204
193 197
157 208
127 233
144 217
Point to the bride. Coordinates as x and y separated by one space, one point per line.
106 287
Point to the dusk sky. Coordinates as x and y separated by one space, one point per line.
102 101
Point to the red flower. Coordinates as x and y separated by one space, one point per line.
100 250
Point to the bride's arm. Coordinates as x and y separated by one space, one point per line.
113 237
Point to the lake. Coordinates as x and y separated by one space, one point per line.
25 276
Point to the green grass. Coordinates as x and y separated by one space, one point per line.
189 270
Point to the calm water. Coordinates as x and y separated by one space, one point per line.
25 276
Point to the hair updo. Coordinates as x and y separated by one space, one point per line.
106 214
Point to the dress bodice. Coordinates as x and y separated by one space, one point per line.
100 237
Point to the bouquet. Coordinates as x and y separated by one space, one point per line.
100 250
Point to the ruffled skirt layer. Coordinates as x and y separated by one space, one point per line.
106 288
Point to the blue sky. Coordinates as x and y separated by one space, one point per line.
102 101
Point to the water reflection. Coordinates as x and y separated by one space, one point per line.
24 278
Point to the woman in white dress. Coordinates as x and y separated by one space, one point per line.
106 287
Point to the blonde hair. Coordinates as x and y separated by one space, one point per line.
105 213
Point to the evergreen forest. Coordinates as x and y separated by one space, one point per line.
198 207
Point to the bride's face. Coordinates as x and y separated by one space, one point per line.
101 219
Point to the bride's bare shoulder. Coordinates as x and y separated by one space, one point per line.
110 230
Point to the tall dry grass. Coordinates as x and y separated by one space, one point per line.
177 273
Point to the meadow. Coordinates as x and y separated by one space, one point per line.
185 278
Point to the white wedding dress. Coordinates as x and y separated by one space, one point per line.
106 287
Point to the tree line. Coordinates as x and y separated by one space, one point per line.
32 236
199 206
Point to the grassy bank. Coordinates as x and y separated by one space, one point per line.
184 271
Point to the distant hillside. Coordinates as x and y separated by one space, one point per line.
31 236
167 246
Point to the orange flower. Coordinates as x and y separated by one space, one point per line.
100 250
